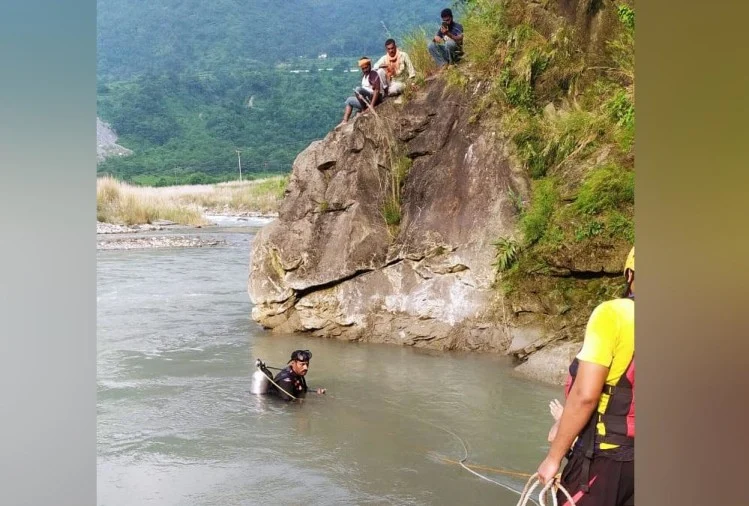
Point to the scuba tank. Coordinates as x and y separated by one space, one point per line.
260 379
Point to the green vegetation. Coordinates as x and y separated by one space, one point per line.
535 220
570 114
186 83
508 250
606 187
400 164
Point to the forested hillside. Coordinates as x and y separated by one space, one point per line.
187 83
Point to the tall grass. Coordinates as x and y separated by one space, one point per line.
535 220
415 44
121 203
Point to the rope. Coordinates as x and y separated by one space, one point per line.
465 457
553 485
284 391
497 470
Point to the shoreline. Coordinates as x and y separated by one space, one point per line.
138 240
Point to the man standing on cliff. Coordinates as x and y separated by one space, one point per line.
291 378
598 419
447 46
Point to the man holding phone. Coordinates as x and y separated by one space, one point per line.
447 46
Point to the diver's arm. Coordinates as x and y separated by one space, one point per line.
314 389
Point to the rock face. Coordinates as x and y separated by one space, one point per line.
106 142
331 265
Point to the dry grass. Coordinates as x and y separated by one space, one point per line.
415 44
121 203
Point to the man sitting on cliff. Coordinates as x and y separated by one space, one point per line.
291 379
397 66
447 46
372 91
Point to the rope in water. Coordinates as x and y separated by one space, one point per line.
497 470
530 486
465 457
552 485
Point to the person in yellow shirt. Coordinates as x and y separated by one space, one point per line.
598 419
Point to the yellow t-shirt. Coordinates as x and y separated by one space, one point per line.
610 342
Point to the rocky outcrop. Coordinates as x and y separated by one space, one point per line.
106 142
335 266
330 264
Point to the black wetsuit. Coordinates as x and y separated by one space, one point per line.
291 383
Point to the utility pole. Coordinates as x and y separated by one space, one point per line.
239 162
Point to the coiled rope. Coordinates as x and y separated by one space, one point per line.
553 485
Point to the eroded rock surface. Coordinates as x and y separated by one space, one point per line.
330 265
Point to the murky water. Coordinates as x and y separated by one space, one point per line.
178 426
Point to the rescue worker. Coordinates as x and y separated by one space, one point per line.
291 378
598 419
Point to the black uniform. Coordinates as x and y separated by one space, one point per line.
291 383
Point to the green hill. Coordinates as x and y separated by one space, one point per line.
186 83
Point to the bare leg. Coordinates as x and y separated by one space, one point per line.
346 114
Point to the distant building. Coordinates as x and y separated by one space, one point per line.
322 56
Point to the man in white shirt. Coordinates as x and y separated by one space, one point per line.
372 91
397 66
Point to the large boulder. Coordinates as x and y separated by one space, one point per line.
331 265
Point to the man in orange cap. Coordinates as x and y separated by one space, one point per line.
372 91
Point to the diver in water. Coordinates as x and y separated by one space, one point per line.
291 378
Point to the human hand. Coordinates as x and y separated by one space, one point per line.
556 408
320 390
548 470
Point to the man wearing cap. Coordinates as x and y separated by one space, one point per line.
291 378
372 91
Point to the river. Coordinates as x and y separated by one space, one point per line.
178 426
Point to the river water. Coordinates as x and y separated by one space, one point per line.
178 426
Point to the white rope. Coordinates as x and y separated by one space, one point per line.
552 486
465 457
284 391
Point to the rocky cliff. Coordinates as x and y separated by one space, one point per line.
332 266
400 227
106 142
